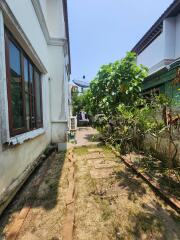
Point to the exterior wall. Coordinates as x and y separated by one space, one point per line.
59 104
153 53
177 46
165 48
164 51
169 52
27 19
162 148
55 20
164 80
17 159
44 8
169 34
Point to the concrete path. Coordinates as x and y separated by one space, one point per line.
86 136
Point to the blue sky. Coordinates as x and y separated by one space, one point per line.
102 31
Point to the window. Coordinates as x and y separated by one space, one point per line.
24 89
151 93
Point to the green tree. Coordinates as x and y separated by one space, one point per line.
81 102
115 83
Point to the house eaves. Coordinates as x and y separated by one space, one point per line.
65 9
157 28
50 40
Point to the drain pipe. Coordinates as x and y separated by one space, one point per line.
50 108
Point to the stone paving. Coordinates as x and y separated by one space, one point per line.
85 135
87 194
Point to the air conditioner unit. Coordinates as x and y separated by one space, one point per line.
73 123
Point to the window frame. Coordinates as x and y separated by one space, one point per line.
17 131
38 124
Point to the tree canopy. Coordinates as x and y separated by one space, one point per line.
115 83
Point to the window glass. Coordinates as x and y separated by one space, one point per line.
27 92
32 98
26 75
16 87
24 89
28 117
38 97
15 58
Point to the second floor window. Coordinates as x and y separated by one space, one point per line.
24 89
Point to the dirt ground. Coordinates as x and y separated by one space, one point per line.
44 193
111 202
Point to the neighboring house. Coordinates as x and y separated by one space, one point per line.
159 50
34 75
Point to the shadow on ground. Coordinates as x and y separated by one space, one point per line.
156 169
92 137
128 180
40 190
149 222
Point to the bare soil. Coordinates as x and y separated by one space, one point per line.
44 193
112 203
168 179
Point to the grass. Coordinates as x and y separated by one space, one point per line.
119 207
169 180
46 200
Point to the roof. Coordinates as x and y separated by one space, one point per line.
157 28
65 10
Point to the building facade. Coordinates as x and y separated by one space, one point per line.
159 50
34 74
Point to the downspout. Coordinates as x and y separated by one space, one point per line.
50 108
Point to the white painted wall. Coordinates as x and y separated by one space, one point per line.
59 93
44 8
169 35
177 44
153 53
14 161
26 17
165 47
55 21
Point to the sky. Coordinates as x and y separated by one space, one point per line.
102 31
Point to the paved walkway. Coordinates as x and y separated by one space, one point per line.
94 192
86 136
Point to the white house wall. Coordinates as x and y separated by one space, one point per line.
153 53
177 45
44 8
17 159
31 27
165 48
169 34
55 20
58 84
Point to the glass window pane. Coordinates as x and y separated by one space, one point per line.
31 78
15 58
26 76
32 101
27 96
38 97
16 87
28 117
